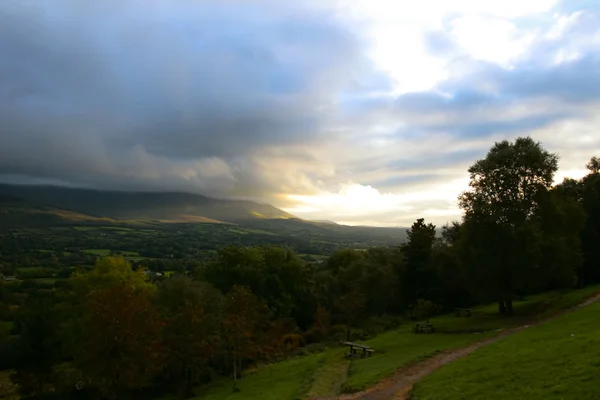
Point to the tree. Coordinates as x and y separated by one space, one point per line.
419 280
274 274
590 199
594 165
445 259
192 312
119 347
108 272
243 317
501 240
40 344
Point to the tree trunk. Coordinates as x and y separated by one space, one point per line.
239 368
235 388
501 307
509 306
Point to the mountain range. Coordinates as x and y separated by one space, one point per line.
31 206
156 206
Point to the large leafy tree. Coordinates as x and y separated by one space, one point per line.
590 198
191 336
500 237
274 274
244 319
40 344
108 272
419 280
120 345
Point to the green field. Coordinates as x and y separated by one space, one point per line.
556 360
98 252
329 373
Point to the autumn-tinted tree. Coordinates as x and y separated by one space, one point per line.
500 239
108 272
191 336
244 318
120 348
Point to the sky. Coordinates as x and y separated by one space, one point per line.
363 112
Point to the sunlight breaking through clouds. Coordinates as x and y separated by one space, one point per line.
357 111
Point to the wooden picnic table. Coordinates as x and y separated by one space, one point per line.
425 327
365 351
462 312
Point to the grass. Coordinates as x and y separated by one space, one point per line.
46 281
330 377
329 373
137 258
287 380
130 253
559 359
486 318
98 252
397 349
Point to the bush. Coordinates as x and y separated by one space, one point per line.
424 309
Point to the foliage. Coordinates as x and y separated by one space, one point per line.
120 346
501 241
192 313
419 279
243 316
108 272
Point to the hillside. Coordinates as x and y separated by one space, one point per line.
21 213
168 207
214 221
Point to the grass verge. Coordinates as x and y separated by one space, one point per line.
559 359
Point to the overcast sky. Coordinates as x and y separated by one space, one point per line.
356 111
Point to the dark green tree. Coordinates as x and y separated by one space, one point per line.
419 280
590 198
500 239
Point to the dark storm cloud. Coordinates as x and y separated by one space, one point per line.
101 90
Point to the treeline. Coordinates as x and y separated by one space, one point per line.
119 332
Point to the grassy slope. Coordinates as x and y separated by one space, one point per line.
397 349
559 360
324 374
286 380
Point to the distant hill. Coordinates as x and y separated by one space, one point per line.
46 206
324 221
167 207
21 213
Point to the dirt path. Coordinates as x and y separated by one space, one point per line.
399 386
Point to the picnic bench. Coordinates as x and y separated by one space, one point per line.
425 327
464 312
363 351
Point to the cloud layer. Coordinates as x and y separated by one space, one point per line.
347 112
